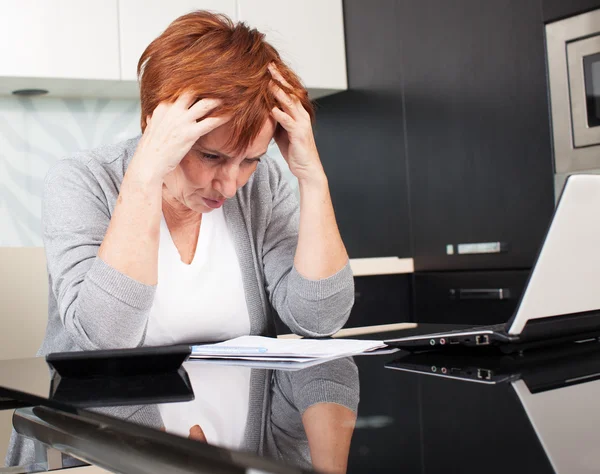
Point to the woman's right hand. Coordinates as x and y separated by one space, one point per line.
170 133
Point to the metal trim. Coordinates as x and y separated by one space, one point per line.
583 135
120 446
558 34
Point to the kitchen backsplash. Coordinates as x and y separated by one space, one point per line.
36 132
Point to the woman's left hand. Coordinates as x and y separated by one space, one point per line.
295 138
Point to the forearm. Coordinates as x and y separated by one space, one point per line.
320 252
131 242
329 428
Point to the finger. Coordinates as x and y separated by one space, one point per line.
207 125
186 99
282 139
284 119
159 113
204 106
289 104
277 75
197 434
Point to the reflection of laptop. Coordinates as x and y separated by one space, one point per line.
561 301
560 397
543 368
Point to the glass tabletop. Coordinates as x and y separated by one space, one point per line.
385 413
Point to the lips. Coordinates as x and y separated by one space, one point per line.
213 203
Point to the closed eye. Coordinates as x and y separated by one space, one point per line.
210 156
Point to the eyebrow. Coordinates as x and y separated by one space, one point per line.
215 152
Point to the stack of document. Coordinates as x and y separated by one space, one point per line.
268 352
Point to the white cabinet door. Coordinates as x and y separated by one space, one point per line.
70 39
141 21
309 35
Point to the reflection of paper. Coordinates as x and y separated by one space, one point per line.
264 363
290 350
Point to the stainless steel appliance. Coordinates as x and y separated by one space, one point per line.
573 50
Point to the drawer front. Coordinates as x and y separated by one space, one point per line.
468 297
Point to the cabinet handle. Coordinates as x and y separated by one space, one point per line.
477 248
480 294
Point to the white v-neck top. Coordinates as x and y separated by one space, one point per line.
203 301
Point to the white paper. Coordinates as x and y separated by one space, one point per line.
268 348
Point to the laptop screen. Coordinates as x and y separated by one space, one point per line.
566 276
566 421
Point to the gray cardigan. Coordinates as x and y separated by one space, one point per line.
93 306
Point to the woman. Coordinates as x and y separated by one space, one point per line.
187 233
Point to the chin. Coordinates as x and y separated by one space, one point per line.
200 208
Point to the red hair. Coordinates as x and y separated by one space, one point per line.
207 54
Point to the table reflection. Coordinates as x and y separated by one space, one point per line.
305 417
558 390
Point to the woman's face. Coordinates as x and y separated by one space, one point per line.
209 174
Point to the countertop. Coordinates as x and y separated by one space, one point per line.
534 420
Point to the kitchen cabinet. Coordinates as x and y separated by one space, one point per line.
360 136
477 132
381 299
77 48
309 36
44 41
141 21
477 298
557 9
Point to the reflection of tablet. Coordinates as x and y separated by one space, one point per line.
105 391
119 362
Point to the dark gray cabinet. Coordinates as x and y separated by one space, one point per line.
480 297
443 138
381 299
558 9
477 130
360 136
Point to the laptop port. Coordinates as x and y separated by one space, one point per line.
483 340
454 340
484 374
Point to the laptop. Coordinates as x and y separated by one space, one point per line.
560 397
561 301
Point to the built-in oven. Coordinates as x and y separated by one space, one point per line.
573 49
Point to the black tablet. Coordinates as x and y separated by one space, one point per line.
119 362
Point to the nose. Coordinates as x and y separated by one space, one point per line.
226 180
